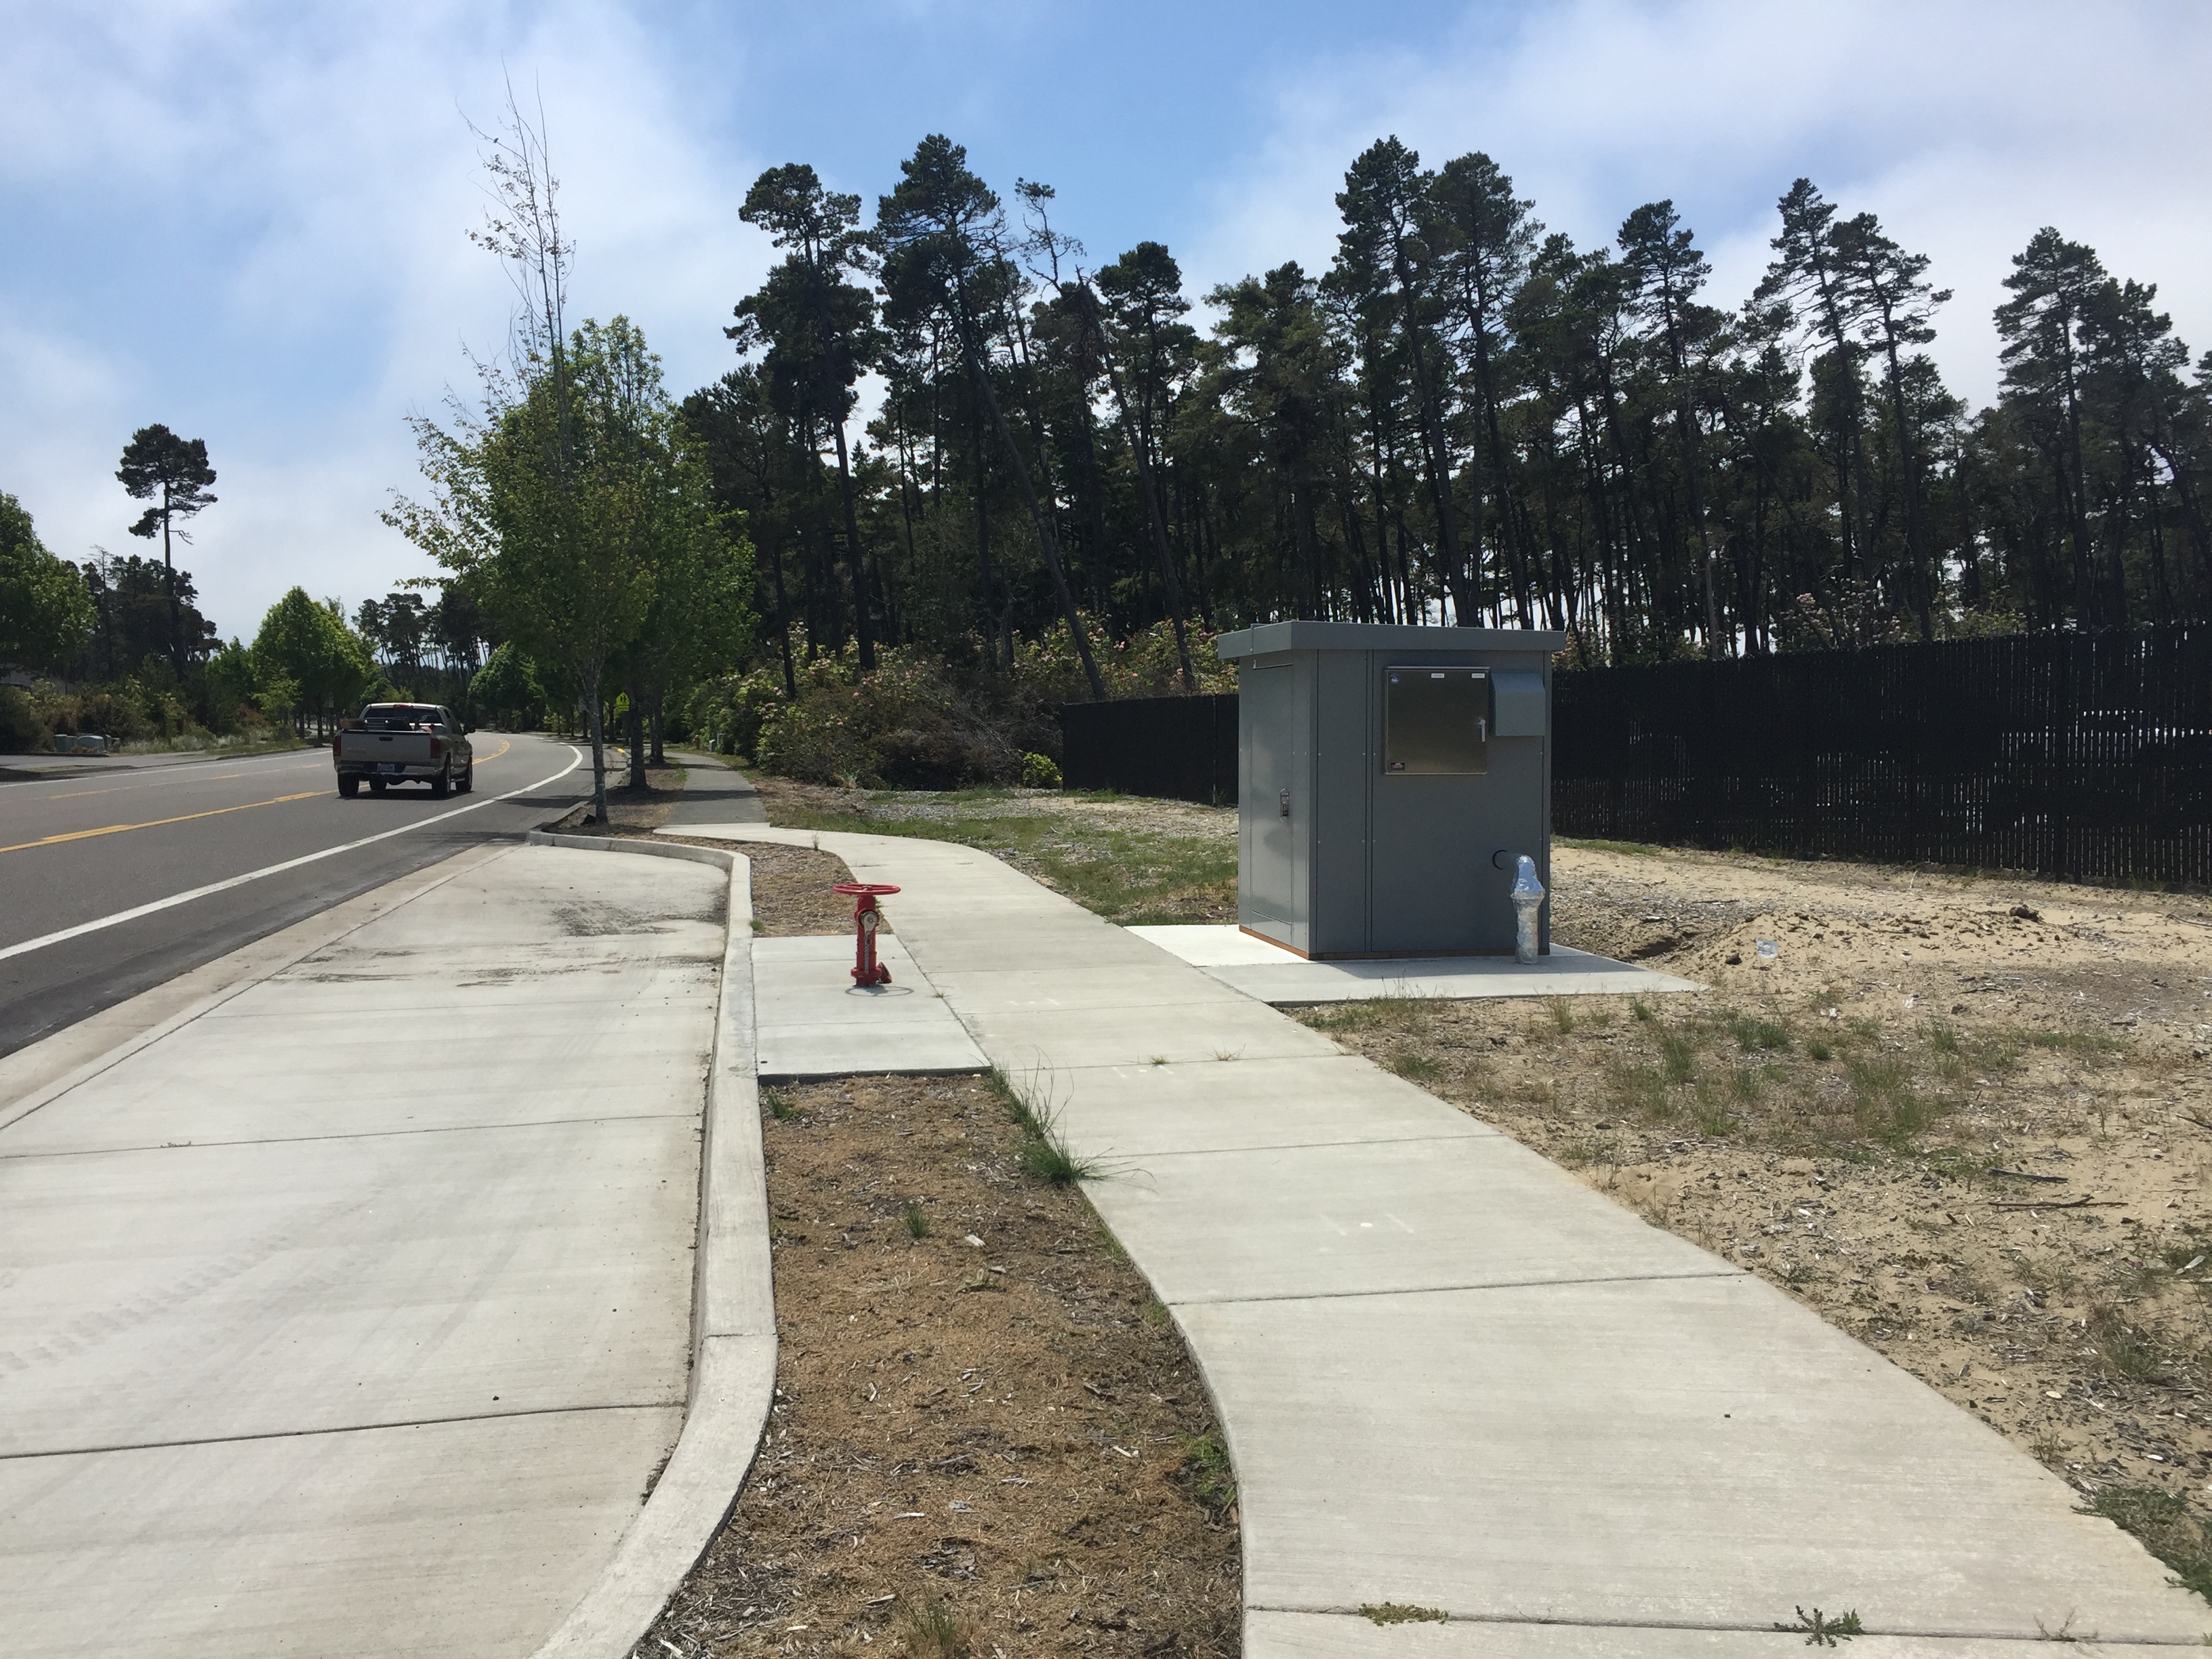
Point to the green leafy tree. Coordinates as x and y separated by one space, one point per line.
503 686
306 641
547 503
171 473
46 612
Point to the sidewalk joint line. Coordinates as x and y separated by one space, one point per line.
1484 1132
343 1428
1540 1621
1723 1271
357 1134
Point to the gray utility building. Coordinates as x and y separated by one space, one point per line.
1389 778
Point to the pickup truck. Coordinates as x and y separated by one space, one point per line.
404 743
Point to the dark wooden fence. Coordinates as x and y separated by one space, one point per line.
1184 748
2080 756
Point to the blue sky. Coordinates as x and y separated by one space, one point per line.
248 220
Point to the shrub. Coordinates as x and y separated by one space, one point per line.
907 726
22 731
1040 772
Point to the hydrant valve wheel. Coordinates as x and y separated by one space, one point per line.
866 970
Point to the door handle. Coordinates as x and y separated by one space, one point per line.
1283 803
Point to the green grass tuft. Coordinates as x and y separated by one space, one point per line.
917 1224
2166 1528
1402 1612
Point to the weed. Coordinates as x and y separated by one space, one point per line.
1402 1612
1043 1150
1642 1010
2048 1273
2126 1352
917 1224
1822 1631
1751 1033
2087 1045
1155 1314
936 1632
1819 1051
1713 1117
1884 1098
759 926
1563 1016
1416 1068
2166 1528
781 1106
1943 1039
1205 1472
1678 1056
2048 1448
1395 1012
1641 1090
1635 850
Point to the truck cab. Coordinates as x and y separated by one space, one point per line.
404 743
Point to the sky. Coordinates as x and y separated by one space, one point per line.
248 220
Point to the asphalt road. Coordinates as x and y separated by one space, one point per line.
113 854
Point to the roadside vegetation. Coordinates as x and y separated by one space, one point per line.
1132 861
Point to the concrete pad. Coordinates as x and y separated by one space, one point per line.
1126 1112
812 1021
1270 1635
292 1287
439 1538
252 1330
1701 1453
1260 968
222 1083
1372 1218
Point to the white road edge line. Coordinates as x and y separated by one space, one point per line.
174 899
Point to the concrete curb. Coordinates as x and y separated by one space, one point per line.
733 1346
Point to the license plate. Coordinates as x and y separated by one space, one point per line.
388 766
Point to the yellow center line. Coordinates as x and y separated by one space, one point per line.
503 747
156 824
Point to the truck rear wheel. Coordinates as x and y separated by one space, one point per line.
348 787
441 786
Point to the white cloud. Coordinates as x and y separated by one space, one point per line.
281 199
1965 127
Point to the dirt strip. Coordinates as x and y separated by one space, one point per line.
988 1438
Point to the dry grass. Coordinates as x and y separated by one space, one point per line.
976 1449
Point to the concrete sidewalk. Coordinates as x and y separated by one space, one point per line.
714 792
353 1315
1453 1377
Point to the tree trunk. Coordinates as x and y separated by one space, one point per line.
1170 588
1046 539
598 734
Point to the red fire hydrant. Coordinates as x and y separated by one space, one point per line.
866 970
